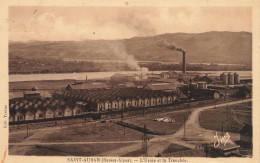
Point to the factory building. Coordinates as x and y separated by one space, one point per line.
202 85
78 102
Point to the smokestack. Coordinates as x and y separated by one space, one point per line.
173 47
183 63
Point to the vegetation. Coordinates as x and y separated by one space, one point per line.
212 119
62 56
174 148
32 66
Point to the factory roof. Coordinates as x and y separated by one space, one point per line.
113 94
197 93
161 86
175 81
44 94
88 86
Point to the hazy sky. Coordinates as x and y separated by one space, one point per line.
81 23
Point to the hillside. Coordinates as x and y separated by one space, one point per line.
209 47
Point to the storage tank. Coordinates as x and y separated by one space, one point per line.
236 78
231 78
224 78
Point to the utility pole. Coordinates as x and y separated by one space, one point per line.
184 119
143 111
222 129
189 107
145 139
27 131
122 115
227 108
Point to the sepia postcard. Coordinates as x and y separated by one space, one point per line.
127 81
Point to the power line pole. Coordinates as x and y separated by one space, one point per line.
184 119
145 139
27 131
222 129
227 108
122 115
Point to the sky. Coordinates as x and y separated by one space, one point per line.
83 23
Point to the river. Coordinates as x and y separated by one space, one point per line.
99 75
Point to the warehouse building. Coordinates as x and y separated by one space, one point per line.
78 102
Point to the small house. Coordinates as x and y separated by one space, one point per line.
246 135
147 102
50 112
115 105
30 113
108 105
100 106
68 111
158 100
134 103
121 104
153 101
20 114
77 110
169 99
128 103
59 112
40 113
141 102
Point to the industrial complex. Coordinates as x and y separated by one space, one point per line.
145 102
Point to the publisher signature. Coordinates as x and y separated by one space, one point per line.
221 139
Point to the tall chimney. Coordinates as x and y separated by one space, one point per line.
183 63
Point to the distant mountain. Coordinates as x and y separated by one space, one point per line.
209 47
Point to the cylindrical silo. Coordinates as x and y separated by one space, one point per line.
224 78
231 78
236 78
221 76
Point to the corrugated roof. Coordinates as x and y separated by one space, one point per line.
91 85
161 86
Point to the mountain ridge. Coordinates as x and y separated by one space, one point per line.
207 47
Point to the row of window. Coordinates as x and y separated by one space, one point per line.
135 103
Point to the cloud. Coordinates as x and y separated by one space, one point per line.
49 27
81 23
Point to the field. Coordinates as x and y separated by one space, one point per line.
106 136
232 117
109 134
161 127
41 85
64 150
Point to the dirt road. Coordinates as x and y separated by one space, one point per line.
195 134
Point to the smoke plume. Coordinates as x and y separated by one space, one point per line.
164 44
119 51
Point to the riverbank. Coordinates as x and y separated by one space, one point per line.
102 75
